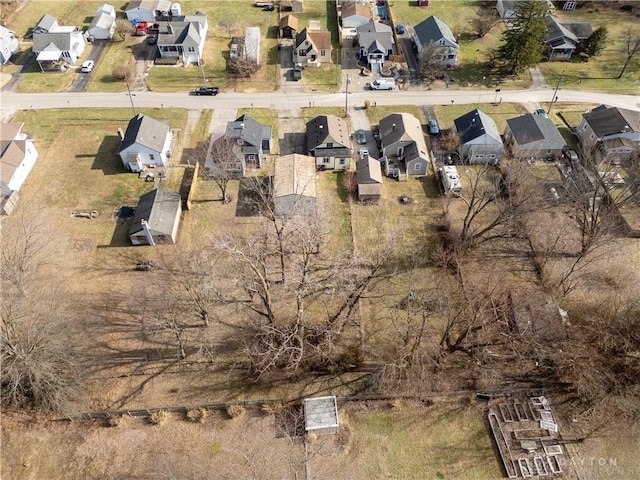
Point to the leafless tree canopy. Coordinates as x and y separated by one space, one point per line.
431 64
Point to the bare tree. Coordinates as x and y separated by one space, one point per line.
631 48
432 65
221 160
485 22
124 28
228 23
243 67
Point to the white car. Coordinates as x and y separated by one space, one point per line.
364 153
87 66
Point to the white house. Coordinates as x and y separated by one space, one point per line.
184 37
9 43
147 10
506 8
54 48
18 154
145 144
103 24
157 218
433 30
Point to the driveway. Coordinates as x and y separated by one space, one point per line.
82 79
406 44
359 120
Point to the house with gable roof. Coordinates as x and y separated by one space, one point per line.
480 140
47 23
294 185
145 144
157 218
288 26
612 133
563 37
533 137
376 44
18 155
103 24
433 30
183 37
147 10
403 148
9 44
328 141
55 45
312 48
369 178
355 14
254 141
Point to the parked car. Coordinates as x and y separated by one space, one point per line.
206 91
152 39
400 30
382 84
433 127
297 72
364 153
570 155
541 112
361 137
141 29
87 66
268 8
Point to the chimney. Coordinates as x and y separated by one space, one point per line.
147 232
473 120
121 134
242 125
393 127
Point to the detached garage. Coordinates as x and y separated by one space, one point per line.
157 218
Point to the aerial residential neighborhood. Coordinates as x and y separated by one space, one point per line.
345 239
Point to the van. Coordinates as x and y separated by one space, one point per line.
383 84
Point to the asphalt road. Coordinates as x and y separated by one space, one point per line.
11 101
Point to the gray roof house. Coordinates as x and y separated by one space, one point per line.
375 43
103 24
294 185
9 44
480 140
253 139
403 147
58 47
147 10
612 133
156 219
433 30
145 144
369 178
506 8
328 141
47 23
355 14
183 38
533 137
563 37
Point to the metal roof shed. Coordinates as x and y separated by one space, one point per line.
321 415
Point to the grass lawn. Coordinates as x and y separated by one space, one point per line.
442 442
446 114
376 113
117 53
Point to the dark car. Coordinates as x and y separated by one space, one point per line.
433 126
206 91
361 136
297 72
268 8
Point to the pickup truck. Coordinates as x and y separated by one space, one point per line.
141 29
206 91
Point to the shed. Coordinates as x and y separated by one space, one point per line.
157 218
369 177
321 415
294 185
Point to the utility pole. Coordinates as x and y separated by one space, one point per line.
346 96
554 97
130 97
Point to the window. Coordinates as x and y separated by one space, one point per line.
548 152
480 155
326 160
191 49
493 155
592 136
152 156
417 166
329 144
584 127
341 162
451 57
302 53
323 53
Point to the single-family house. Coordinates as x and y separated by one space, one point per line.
434 31
506 8
480 140
563 37
533 137
145 144
375 44
54 49
312 48
288 26
294 185
252 44
253 140
18 154
47 23
612 133
156 219
369 178
295 6
147 10
9 44
355 14
183 37
103 24
328 141
403 148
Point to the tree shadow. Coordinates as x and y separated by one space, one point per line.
292 143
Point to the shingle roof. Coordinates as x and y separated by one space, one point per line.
320 40
289 21
475 124
159 208
401 126
295 174
102 20
608 121
532 128
249 130
375 35
176 31
368 170
62 40
433 29
360 9
145 131
326 129
46 22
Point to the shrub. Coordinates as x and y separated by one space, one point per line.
197 415
235 410
272 408
159 418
